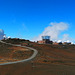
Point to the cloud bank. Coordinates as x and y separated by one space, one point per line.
1 34
53 30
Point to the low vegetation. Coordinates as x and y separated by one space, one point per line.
51 59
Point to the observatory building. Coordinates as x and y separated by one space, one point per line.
45 40
45 37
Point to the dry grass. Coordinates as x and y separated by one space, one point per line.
11 53
51 60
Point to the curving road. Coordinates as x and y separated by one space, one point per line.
25 60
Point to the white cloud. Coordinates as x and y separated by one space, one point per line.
53 30
65 37
1 34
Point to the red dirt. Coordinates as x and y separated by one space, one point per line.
51 60
12 53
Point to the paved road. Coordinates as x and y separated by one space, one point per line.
25 60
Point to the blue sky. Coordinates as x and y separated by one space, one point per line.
28 18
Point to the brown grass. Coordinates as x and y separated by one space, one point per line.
51 60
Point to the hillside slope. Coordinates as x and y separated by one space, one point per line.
9 53
51 60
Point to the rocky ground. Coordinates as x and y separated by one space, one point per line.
51 60
10 53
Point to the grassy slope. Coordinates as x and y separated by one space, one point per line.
55 54
4 50
13 52
51 60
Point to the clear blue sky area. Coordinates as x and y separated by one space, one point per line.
28 18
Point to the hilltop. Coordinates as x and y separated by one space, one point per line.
51 59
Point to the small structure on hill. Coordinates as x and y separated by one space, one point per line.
55 43
67 43
45 40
